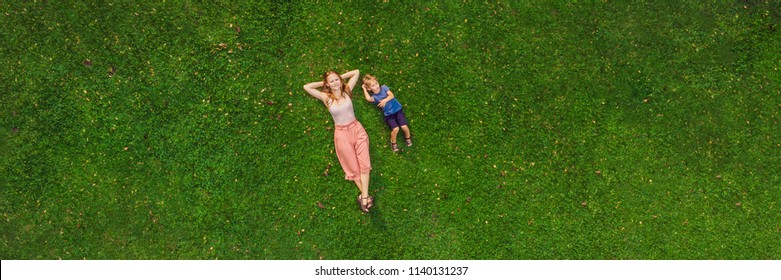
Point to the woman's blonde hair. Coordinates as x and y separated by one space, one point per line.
327 89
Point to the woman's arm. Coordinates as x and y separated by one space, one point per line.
312 89
353 76
366 94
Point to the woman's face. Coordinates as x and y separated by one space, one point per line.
334 83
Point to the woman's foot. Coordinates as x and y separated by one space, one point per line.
362 203
394 147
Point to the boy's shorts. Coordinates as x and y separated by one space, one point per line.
396 119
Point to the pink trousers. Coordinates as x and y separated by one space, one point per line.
352 149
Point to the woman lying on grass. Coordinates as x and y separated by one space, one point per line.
350 138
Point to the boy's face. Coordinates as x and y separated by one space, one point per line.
374 86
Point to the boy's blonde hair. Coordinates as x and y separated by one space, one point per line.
368 78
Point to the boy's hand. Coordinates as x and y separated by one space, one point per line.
364 88
382 104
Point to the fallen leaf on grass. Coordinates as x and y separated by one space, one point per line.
87 63
320 205
328 168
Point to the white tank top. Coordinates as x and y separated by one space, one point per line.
342 112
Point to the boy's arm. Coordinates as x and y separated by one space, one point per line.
353 76
390 96
366 94
386 99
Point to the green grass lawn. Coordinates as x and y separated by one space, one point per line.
596 130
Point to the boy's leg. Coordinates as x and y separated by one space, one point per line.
393 126
406 131
401 120
393 134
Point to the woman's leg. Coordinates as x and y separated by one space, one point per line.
359 184
349 160
369 201
364 163
362 197
365 184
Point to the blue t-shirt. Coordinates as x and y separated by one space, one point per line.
392 106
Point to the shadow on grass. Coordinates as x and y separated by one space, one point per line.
375 213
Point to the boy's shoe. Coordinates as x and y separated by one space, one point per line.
408 141
394 147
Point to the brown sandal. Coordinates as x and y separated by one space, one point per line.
370 203
360 205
